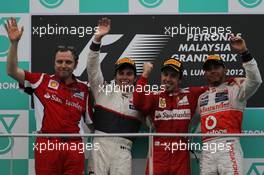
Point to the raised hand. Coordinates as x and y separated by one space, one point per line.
104 26
147 68
238 43
13 32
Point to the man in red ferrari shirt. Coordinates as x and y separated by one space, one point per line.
61 102
171 110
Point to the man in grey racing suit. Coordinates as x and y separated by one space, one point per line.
221 110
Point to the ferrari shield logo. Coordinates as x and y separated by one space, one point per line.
162 103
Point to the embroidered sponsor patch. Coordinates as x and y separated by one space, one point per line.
221 96
183 101
162 103
176 114
79 95
53 84
204 100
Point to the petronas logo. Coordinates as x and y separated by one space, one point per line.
7 122
250 3
51 3
150 3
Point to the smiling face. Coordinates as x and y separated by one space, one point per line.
170 79
125 76
64 65
215 74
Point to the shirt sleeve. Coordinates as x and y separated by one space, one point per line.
32 80
195 94
95 75
197 91
250 84
141 100
88 117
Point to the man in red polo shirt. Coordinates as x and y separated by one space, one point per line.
61 102
171 110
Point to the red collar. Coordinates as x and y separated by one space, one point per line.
173 93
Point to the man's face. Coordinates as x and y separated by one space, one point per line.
215 74
170 79
125 77
64 64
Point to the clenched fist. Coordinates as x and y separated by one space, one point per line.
147 68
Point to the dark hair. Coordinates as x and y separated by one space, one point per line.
179 73
174 64
72 49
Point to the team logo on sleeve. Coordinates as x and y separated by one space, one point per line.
53 84
162 103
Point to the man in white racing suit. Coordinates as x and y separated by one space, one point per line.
221 110
113 111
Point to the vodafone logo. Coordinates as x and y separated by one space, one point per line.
210 122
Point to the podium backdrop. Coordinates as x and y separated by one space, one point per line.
145 30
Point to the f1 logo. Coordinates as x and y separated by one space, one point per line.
151 48
107 40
